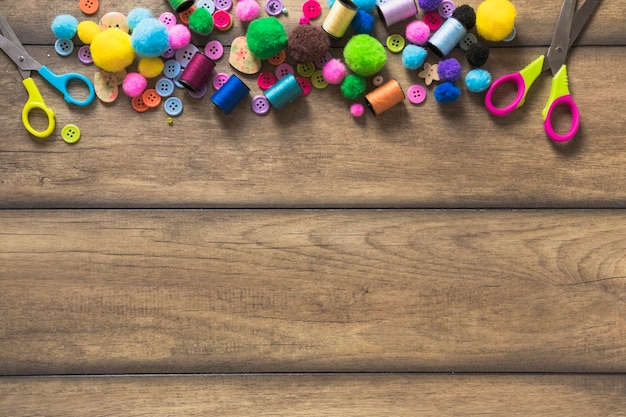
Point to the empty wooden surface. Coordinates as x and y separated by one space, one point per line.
309 263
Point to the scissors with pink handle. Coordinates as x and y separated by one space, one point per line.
569 25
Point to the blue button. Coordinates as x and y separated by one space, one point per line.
64 47
207 4
164 87
173 106
171 68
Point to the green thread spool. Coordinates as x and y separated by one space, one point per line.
180 6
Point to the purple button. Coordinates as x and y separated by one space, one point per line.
168 19
219 80
223 4
446 8
320 62
200 93
184 55
84 55
260 105
214 50
274 7
283 70
169 53
416 94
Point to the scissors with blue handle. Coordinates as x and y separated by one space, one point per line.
569 25
11 45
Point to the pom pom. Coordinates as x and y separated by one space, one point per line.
477 54
477 80
64 26
357 109
362 23
334 71
86 30
307 43
447 92
179 36
428 5
137 15
353 86
417 32
247 10
365 5
150 67
134 84
111 50
413 56
201 21
364 55
150 38
330 3
449 69
465 15
495 19
266 37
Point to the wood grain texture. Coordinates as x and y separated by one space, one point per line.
316 291
315 395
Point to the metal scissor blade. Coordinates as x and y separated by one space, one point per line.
557 53
11 45
581 17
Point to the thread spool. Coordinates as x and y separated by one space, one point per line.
284 91
452 31
394 11
197 72
230 94
384 97
180 6
339 18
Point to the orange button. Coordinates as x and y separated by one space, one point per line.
88 6
151 97
184 16
279 58
138 104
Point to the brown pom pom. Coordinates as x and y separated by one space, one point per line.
307 43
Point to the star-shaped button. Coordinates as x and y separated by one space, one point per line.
429 73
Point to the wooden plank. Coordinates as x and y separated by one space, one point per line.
315 395
101 292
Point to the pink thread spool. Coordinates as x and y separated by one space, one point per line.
197 72
394 11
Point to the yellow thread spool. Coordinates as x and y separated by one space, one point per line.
339 18
384 97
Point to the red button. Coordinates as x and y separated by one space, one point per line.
222 20
306 85
311 9
433 20
265 80
138 104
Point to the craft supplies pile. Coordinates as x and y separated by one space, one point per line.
150 57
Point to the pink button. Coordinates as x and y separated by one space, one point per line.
283 70
84 55
306 85
265 80
416 94
446 8
311 9
222 20
214 50
433 20
168 19
219 80
304 20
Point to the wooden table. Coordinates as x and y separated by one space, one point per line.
434 260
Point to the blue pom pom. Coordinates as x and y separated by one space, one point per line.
150 38
330 3
413 56
365 5
447 92
362 23
64 26
137 15
478 80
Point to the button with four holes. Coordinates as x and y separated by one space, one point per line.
320 62
70 133
84 55
311 9
151 97
168 19
173 106
219 80
206 4
446 7
306 70
88 6
222 20
138 104
64 47
260 104
164 87
306 85
278 58
214 50
468 40
416 94
114 20
318 81
171 68
274 7
283 70
184 55
265 80
433 20
223 4
169 53
395 43
184 16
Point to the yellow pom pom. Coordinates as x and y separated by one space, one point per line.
495 19
150 67
111 50
86 30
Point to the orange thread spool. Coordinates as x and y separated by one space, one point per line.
384 97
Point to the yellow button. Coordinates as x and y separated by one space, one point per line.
318 81
395 43
306 70
70 133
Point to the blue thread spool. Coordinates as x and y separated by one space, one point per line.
230 94
452 31
284 91
394 11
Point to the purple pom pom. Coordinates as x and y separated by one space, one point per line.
449 69
428 5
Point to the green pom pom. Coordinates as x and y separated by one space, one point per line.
353 86
266 37
364 55
201 21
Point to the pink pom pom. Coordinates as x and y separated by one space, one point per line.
417 32
247 10
134 84
357 109
179 36
334 71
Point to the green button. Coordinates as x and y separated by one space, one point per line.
70 133
306 70
395 43
318 81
